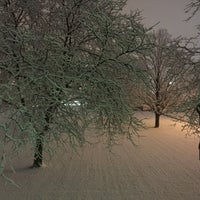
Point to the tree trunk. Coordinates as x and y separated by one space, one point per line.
157 120
38 156
199 119
199 150
198 111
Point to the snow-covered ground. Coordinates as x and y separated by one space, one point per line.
163 165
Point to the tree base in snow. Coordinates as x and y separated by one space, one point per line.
35 165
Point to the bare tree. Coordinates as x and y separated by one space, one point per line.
190 106
164 67
57 53
193 8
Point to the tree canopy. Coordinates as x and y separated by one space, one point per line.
165 74
191 104
55 53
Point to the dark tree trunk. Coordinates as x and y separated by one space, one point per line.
199 142
157 120
199 118
38 156
198 111
199 150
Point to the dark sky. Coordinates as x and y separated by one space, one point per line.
170 14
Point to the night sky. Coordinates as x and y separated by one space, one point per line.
170 14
